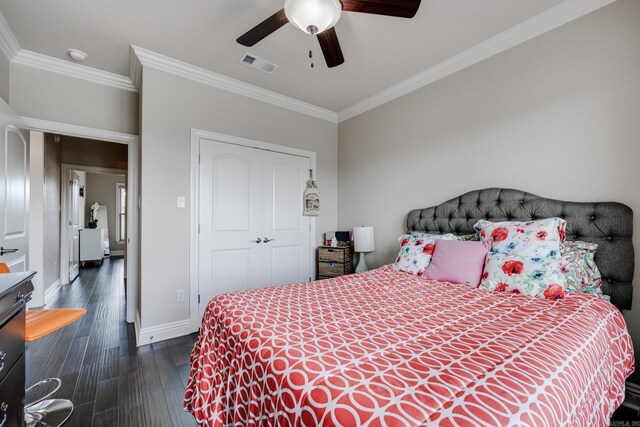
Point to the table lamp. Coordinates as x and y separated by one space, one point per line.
363 242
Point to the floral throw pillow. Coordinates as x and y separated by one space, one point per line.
416 250
524 239
538 276
582 274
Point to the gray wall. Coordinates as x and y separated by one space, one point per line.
101 188
52 158
44 95
171 106
4 77
557 116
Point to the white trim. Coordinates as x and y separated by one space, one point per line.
132 248
21 260
135 68
119 186
119 252
548 20
173 66
196 135
162 332
70 69
50 293
36 215
78 131
194 283
8 42
229 139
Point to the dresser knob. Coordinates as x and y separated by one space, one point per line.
3 410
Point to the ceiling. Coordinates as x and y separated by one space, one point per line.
379 51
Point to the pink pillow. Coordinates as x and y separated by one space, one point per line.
458 261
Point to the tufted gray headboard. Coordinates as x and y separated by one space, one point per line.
608 224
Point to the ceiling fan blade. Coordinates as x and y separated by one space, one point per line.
398 8
331 47
263 29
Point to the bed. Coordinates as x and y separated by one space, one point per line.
388 348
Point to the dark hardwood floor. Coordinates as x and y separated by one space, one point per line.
110 381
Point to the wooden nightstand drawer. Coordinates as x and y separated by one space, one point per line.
334 269
338 254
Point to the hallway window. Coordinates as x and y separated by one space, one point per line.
121 211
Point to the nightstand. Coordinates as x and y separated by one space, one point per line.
334 262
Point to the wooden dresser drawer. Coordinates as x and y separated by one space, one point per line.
11 340
12 396
339 254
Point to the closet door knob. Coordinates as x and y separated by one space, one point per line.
267 240
258 240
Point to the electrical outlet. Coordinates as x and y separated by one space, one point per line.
180 295
181 202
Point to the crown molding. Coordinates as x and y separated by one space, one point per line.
548 20
8 42
173 66
135 68
78 131
66 68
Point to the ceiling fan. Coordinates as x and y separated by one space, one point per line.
317 17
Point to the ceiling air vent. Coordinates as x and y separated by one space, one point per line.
258 63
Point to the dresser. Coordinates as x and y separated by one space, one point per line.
15 292
334 261
94 244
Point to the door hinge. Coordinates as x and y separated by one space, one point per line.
198 228
199 158
309 226
198 298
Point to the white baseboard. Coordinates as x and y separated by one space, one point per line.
52 291
117 253
162 332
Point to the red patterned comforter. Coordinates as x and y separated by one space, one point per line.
387 348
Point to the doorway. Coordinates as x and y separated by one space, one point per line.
90 143
93 216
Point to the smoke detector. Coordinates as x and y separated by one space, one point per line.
77 55
258 63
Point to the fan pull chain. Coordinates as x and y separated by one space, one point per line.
311 50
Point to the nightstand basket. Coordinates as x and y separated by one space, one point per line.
334 261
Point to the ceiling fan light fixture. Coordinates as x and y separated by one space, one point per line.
313 16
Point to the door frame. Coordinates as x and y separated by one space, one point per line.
133 199
196 136
64 211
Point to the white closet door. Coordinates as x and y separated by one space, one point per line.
14 184
229 218
285 232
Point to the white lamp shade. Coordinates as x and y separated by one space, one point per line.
363 239
322 14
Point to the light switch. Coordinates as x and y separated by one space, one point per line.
181 202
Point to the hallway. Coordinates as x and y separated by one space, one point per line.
110 381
